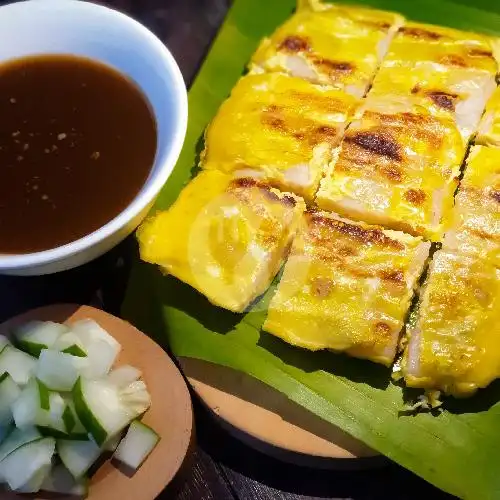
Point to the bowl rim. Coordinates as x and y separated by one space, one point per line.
151 187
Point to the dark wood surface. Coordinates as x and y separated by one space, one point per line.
220 467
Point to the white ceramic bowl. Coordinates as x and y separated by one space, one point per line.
86 29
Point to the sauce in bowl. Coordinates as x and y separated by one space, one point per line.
77 142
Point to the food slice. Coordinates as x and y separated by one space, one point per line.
420 44
399 170
489 128
346 287
137 444
19 365
26 462
78 456
452 342
279 129
329 44
18 438
450 93
105 410
34 336
474 226
225 237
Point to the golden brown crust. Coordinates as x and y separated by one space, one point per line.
420 33
249 182
317 221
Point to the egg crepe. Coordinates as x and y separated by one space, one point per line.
474 226
330 44
347 287
432 70
279 129
398 170
225 237
453 342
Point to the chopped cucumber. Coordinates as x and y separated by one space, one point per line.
9 392
78 456
28 405
61 481
58 421
38 406
137 444
105 410
136 398
18 364
75 350
21 465
58 370
99 345
124 375
4 341
69 402
78 431
90 332
34 336
17 438
70 343
35 483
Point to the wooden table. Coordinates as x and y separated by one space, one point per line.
220 468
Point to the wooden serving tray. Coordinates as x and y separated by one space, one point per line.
268 421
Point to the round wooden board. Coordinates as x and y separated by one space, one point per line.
170 415
267 420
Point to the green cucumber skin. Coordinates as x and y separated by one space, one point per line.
68 419
75 350
88 420
44 394
3 377
30 348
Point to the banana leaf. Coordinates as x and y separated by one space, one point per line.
457 449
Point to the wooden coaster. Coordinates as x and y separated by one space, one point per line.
170 414
267 420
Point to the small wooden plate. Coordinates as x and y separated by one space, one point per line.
170 415
269 422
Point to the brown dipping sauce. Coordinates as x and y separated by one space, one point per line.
77 142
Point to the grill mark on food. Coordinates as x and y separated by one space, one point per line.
363 235
420 33
495 195
249 182
425 127
334 66
325 133
415 196
481 53
382 329
391 172
480 233
380 144
382 25
269 118
453 60
393 276
294 43
445 100
321 287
